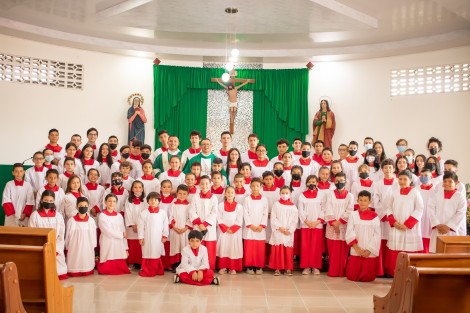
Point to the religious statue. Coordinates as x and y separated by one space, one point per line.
324 123
136 117
232 91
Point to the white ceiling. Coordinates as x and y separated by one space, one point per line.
273 30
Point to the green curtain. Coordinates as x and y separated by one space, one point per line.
280 101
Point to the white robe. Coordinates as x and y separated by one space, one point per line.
257 171
175 181
80 242
222 157
273 196
356 187
187 156
136 171
312 209
338 210
56 222
230 245
86 168
78 170
69 206
402 207
286 216
105 174
375 175
366 232
131 217
178 216
113 245
36 179
127 183
426 218
59 197
240 197
382 192
206 211
255 212
152 228
121 199
451 212
309 167
190 262
19 197
150 185
351 168
95 199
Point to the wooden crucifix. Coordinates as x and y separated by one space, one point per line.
232 90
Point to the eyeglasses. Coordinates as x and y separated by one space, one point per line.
261 151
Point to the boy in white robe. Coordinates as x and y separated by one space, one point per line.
217 189
36 175
309 166
352 162
240 192
52 177
190 181
271 192
178 217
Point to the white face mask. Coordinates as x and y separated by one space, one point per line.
285 197
49 158
370 158
368 146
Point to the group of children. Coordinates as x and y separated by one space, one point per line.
196 211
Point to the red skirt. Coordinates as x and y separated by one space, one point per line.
297 239
426 242
135 252
231 264
175 258
63 277
113 267
361 269
151 267
338 251
211 251
281 258
267 252
311 248
79 274
166 258
254 253
382 258
208 276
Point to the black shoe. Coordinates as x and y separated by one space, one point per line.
216 281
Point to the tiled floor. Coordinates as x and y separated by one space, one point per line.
237 293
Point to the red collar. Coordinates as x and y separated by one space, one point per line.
118 192
365 182
297 152
106 212
229 207
434 175
252 155
388 182
194 151
154 210
286 202
39 169
405 191
296 183
104 160
273 188
173 173
233 166
78 153
428 187
352 160
207 195
192 190
324 163
114 153
310 194
147 177
94 147
56 148
91 186
218 191
43 213
288 168
78 219
241 191
136 200
322 185
181 202
67 174
367 215
317 158
258 197
259 163
166 200
48 166
305 161
247 180
125 177
76 194
164 149
88 162
55 188
340 195
195 251
449 194
279 182
135 157
223 153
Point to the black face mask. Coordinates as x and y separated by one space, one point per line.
312 187
433 151
340 186
126 155
116 182
364 175
145 156
49 206
305 154
113 146
82 209
296 176
431 166
352 152
278 173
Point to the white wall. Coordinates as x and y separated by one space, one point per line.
359 91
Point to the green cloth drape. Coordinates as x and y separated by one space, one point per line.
280 102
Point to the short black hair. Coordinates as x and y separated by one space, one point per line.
90 130
153 195
163 131
195 133
195 234
364 193
53 130
183 187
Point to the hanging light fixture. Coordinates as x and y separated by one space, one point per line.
231 53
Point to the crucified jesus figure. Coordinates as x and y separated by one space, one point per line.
232 91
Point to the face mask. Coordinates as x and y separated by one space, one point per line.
305 154
368 146
433 151
113 146
364 175
49 158
424 179
82 209
47 205
352 152
278 173
431 166
116 182
126 155
409 158
370 159
296 176
340 185
312 187
285 197
401 149
145 156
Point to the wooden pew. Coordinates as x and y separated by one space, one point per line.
33 251
453 244
10 296
393 301
431 289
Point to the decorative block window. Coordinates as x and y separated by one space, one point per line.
29 70
430 79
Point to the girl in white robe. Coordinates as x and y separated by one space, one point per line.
271 192
178 217
217 189
133 206
88 161
240 191
105 161
80 241
229 235
113 243
262 163
151 184
427 190
153 232
174 174
46 216
297 188
68 207
70 168
166 199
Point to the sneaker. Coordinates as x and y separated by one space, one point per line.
277 273
216 281
233 272
259 271
316 271
306 271
250 271
176 279
222 271
289 273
